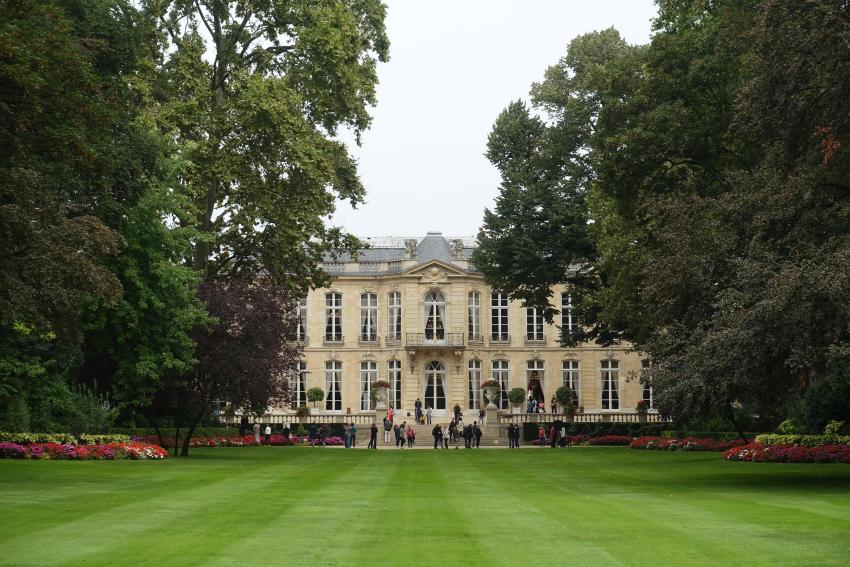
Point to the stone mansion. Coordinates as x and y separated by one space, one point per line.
414 312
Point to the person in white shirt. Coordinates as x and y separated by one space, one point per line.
268 433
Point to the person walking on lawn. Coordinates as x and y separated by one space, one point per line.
268 434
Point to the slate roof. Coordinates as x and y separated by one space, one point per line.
434 246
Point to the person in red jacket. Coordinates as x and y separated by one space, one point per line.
541 437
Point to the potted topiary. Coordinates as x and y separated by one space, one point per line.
564 395
491 388
315 395
516 396
379 390
302 411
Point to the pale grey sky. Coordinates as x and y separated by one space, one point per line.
455 64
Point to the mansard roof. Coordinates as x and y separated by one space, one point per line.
387 254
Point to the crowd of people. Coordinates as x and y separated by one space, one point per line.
445 435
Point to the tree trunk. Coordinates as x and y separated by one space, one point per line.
160 439
176 439
189 432
731 413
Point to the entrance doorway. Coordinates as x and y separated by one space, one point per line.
435 387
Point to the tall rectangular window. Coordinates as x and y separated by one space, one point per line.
394 375
368 375
499 373
648 393
368 317
474 316
333 385
474 385
572 378
610 384
333 317
567 322
301 325
533 324
499 317
394 316
298 388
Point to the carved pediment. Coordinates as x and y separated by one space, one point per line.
434 270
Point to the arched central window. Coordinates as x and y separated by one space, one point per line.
435 313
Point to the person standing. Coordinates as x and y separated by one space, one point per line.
397 436
322 434
554 405
446 435
541 437
256 433
418 409
411 437
353 435
346 435
517 433
388 426
286 432
437 432
477 433
390 414
268 434
456 411
373 437
428 414
403 433
553 436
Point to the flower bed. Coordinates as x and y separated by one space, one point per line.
758 452
686 444
67 451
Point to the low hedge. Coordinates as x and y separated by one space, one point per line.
63 438
721 435
169 431
529 429
802 440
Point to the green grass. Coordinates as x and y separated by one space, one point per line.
296 506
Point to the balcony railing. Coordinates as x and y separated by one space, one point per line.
586 417
368 340
535 340
333 340
500 339
477 340
436 340
392 340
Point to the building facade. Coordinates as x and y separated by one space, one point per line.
415 313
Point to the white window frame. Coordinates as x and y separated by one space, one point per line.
368 376
301 324
567 322
333 317
298 389
435 315
394 378
333 386
368 317
571 377
610 393
648 394
474 315
499 329
394 316
500 372
533 324
474 385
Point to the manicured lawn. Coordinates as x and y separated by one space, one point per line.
296 506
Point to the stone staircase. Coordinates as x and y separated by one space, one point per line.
490 437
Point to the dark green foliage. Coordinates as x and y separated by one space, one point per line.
717 160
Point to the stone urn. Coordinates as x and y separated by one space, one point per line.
381 390
492 393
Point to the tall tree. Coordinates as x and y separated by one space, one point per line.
256 92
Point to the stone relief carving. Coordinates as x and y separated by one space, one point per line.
411 248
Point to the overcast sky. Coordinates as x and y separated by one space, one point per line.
454 65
